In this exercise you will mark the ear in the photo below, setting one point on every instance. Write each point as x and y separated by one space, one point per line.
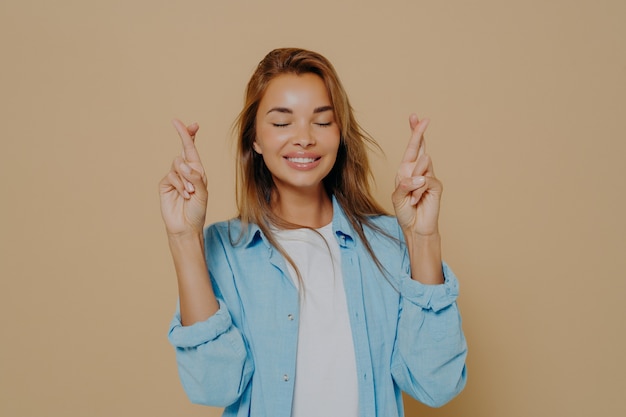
257 148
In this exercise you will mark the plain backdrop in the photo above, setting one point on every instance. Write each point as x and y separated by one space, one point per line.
527 101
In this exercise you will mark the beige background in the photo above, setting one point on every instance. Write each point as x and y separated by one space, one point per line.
528 105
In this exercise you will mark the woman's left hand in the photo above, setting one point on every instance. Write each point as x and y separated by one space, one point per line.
418 192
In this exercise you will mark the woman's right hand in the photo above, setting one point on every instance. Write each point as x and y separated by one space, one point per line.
183 190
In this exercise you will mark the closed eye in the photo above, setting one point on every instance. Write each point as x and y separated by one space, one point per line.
324 124
280 124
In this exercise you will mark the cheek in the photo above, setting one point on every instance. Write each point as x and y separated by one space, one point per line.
334 138
270 138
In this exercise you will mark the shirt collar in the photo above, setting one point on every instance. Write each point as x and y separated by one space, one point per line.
253 235
341 226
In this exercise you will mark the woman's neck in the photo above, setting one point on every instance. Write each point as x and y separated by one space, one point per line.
314 209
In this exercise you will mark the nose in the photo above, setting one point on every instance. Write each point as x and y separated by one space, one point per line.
304 137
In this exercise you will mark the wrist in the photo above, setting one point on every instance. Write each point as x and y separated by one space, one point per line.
425 256
185 239
421 238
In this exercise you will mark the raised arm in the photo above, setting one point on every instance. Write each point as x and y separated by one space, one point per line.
184 196
416 203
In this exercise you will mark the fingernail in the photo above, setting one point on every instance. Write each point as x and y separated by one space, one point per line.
418 180
189 187
186 194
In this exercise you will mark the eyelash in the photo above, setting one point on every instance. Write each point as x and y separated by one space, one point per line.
287 124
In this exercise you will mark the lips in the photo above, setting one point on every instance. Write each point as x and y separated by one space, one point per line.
303 162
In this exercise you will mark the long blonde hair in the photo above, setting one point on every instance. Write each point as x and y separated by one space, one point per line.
348 180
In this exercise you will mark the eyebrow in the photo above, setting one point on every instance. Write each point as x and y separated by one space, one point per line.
289 111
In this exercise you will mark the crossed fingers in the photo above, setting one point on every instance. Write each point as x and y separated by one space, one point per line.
415 162
187 167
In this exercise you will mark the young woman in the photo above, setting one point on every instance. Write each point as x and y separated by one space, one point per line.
313 301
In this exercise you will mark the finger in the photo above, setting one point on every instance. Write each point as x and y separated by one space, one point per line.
188 175
431 185
413 121
173 180
423 166
422 149
193 129
416 141
189 148
193 180
185 173
406 187
416 195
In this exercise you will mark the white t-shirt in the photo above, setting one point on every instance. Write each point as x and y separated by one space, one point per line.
326 378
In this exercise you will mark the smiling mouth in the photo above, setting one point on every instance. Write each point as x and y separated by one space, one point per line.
301 160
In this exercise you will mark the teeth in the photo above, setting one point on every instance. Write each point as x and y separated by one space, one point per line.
301 160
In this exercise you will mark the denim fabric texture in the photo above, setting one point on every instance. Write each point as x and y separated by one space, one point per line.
407 335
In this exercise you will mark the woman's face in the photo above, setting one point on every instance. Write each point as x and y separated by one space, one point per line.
296 131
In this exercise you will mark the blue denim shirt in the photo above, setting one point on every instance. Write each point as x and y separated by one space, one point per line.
407 335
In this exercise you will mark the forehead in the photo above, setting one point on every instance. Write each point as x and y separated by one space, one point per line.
292 90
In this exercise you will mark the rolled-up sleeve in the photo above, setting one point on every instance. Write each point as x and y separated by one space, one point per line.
213 362
431 297
429 356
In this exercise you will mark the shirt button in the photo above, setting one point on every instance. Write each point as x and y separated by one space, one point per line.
285 377
290 316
